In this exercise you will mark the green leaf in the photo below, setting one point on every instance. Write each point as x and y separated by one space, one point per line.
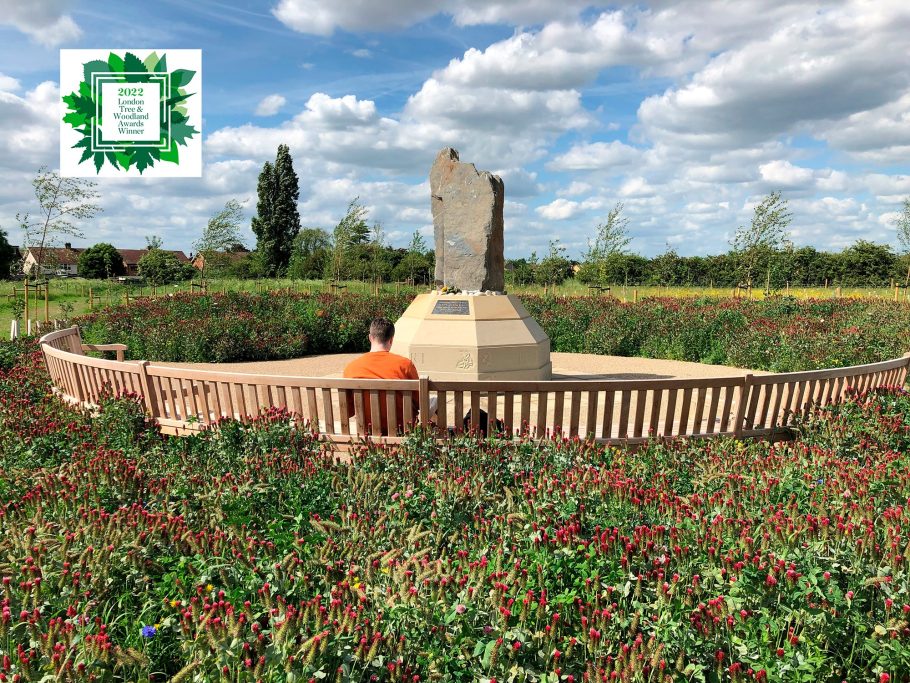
132 63
151 61
93 67
70 100
115 62
84 142
125 159
99 161
181 77
175 100
75 119
181 132
488 650
161 67
85 90
87 153
142 157
111 157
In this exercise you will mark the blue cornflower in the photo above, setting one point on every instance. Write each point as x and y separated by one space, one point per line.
149 631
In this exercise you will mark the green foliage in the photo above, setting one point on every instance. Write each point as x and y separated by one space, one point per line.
348 239
9 259
62 203
417 263
867 264
902 226
220 237
248 553
310 255
277 221
101 261
161 267
554 268
765 235
241 327
611 238
777 334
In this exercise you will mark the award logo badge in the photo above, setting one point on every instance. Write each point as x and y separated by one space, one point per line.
131 113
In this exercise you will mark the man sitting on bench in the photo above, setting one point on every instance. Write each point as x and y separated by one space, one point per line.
380 363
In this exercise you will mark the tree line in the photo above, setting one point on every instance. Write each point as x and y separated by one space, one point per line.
761 253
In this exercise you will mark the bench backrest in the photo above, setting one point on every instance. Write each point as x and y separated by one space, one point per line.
184 400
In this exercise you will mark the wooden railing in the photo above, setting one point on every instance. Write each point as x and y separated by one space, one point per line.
346 410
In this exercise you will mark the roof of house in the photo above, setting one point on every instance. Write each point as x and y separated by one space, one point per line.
132 256
57 255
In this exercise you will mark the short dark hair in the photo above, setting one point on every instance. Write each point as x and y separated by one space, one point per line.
382 330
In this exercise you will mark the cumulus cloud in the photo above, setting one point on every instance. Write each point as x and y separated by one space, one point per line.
270 105
826 67
596 156
45 21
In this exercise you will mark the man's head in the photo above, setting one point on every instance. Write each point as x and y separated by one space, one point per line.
381 334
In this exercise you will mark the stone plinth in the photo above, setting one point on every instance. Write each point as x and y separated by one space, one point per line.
473 337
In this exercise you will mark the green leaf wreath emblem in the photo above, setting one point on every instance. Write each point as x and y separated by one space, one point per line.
84 107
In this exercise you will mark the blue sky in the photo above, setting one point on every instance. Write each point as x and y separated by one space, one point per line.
686 111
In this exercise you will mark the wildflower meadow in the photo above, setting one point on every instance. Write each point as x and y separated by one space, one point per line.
249 553
778 334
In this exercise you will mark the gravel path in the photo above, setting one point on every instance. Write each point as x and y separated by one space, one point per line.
565 366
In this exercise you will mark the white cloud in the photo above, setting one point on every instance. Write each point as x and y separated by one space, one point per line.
825 66
559 209
45 21
784 175
8 83
31 123
596 156
270 105
362 53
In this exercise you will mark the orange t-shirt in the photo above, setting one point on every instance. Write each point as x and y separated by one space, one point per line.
381 365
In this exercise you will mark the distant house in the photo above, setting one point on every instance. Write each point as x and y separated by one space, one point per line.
131 258
53 260
65 260
220 258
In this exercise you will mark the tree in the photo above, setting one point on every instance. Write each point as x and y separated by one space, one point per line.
352 231
9 259
277 221
416 263
162 267
310 254
668 268
62 201
610 237
902 225
554 267
221 234
766 233
866 264
101 261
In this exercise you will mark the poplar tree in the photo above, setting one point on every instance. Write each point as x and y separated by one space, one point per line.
277 220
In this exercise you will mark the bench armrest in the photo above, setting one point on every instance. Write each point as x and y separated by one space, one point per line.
119 348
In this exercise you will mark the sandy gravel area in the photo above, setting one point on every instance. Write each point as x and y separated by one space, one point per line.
565 366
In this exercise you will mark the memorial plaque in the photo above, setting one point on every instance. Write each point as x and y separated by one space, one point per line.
459 307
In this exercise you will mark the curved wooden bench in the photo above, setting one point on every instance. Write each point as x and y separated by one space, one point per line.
185 400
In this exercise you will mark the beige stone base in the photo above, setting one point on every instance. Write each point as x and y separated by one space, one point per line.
473 337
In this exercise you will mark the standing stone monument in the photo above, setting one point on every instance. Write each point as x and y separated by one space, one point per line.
467 221
470 329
